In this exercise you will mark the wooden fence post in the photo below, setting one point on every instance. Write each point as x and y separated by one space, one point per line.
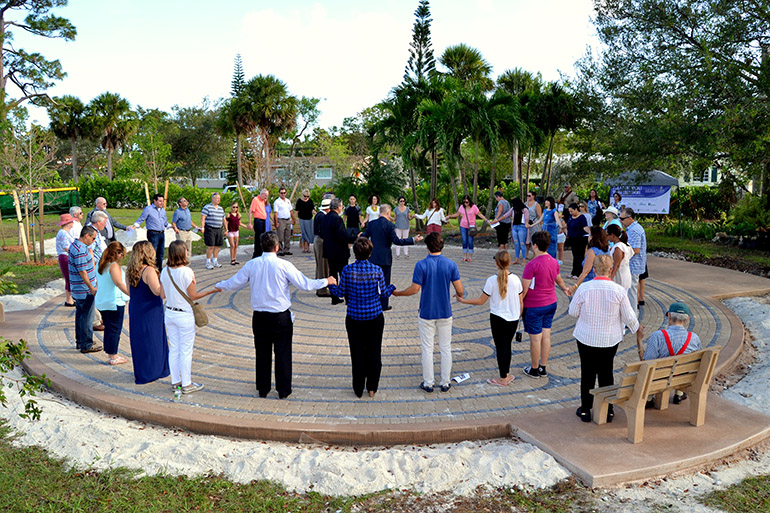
22 232
41 202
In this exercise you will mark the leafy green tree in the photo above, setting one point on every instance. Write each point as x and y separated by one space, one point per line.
196 143
150 154
68 121
29 72
239 78
270 113
467 65
680 85
113 121
555 109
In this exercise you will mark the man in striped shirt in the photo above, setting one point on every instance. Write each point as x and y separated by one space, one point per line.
212 218
82 270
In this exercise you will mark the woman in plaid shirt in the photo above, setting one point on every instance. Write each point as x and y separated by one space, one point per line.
363 286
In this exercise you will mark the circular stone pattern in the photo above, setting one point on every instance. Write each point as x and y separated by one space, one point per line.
322 392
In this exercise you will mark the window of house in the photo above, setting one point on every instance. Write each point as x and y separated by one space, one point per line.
323 173
223 174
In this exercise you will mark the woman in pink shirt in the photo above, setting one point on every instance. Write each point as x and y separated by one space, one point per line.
540 276
467 214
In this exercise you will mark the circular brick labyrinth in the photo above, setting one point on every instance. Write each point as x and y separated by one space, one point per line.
322 392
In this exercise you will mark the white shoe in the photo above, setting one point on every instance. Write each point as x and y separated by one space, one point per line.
217 264
209 266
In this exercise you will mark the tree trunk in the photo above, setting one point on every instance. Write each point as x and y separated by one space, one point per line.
452 180
414 196
239 165
529 162
463 177
74 160
433 171
475 171
109 163
515 161
548 164
492 182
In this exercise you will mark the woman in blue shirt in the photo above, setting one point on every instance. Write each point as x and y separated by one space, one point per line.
363 285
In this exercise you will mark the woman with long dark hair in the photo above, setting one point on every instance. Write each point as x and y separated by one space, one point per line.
597 245
576 222
467 214
434 217
551 221
111 296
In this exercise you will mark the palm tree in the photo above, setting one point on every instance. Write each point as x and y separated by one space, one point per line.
516 82
111 117
269 111
233 120
68 121
467 65
557 110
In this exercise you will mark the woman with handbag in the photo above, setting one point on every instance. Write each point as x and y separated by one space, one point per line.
467 214
178 282
434 217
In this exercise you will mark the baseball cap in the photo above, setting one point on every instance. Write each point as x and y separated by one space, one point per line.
679 308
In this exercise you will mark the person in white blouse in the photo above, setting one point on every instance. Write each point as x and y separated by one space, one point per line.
621 256
602 308
434 217
179 319
373 210
268 278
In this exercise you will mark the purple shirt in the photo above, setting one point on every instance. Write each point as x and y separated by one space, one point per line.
544 270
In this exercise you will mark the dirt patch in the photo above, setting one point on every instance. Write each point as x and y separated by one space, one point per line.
739 368
47 262
736 264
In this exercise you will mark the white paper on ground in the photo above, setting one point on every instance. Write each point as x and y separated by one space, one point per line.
461 377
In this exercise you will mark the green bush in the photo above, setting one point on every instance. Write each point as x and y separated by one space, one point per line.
124 193
751 215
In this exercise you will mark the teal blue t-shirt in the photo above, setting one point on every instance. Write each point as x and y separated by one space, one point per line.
434 274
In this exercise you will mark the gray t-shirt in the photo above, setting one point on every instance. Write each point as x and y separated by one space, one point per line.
402 218
506 208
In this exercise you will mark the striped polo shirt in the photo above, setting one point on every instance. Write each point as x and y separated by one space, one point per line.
80 259
215 216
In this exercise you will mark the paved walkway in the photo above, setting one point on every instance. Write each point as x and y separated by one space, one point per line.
323 405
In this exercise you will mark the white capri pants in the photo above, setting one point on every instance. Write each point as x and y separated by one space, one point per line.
402 234
428 328
180 329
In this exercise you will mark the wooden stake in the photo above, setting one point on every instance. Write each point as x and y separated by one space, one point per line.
147 193
40 215
2 230
165 195
238 188
22 233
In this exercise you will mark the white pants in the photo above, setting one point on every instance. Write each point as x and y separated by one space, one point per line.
428 328
402 234
632 292
180 329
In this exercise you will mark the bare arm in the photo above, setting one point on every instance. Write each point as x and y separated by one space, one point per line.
617 258
482 299
87 281
563 286
117 278
409 291
152 281
193 294
587 266
459 288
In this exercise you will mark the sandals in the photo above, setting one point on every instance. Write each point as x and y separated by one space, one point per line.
69 305
499 382
234 262
118 360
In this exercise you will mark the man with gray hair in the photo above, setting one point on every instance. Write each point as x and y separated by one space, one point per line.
108 232
212 220
674 340
77 214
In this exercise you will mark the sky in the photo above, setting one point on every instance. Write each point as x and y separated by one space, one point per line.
348 53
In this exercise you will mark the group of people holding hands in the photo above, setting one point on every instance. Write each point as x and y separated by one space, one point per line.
606 272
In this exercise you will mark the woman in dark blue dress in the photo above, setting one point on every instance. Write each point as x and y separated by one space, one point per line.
149 346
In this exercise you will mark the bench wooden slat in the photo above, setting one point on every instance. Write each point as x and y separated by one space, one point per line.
692 372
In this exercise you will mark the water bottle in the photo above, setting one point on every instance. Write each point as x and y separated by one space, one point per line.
177 394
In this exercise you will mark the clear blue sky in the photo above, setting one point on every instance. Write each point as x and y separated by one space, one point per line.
348 53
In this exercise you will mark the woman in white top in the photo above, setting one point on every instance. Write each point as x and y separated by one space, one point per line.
373 210
64 240
179 318
621 256
111 295
434 217
505 307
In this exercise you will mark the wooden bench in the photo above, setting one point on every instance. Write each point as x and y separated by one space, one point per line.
690 372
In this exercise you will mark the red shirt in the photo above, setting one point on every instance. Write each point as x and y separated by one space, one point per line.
544 270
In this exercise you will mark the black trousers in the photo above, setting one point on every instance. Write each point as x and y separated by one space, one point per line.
594 362
502 333
578 246
259 229
365 340
272 334
335 268
386 271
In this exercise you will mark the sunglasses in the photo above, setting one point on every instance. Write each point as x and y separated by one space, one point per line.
623 218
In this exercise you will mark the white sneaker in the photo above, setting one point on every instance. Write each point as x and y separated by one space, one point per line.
217 264
209 266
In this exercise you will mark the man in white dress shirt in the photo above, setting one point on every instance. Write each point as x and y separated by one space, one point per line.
269 278
283 219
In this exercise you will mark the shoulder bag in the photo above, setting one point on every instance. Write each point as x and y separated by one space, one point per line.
201 318
472 231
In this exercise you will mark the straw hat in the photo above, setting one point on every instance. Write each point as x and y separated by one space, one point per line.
66 219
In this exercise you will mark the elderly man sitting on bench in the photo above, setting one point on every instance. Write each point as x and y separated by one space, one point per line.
674 340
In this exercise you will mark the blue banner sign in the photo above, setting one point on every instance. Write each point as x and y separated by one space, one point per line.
645 199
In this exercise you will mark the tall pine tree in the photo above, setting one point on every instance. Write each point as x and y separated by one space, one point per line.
239 79
421 64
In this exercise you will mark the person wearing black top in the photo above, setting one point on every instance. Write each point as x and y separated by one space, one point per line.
305 209
352 215
321 264
576 224
336 241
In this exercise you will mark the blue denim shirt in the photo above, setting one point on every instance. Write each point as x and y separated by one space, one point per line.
182 218
154 218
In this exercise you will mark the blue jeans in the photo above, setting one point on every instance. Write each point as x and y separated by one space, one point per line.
519 236
538 318
158 241
113 325
467 240
84 322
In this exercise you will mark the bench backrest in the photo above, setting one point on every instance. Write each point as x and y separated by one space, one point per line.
648 377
